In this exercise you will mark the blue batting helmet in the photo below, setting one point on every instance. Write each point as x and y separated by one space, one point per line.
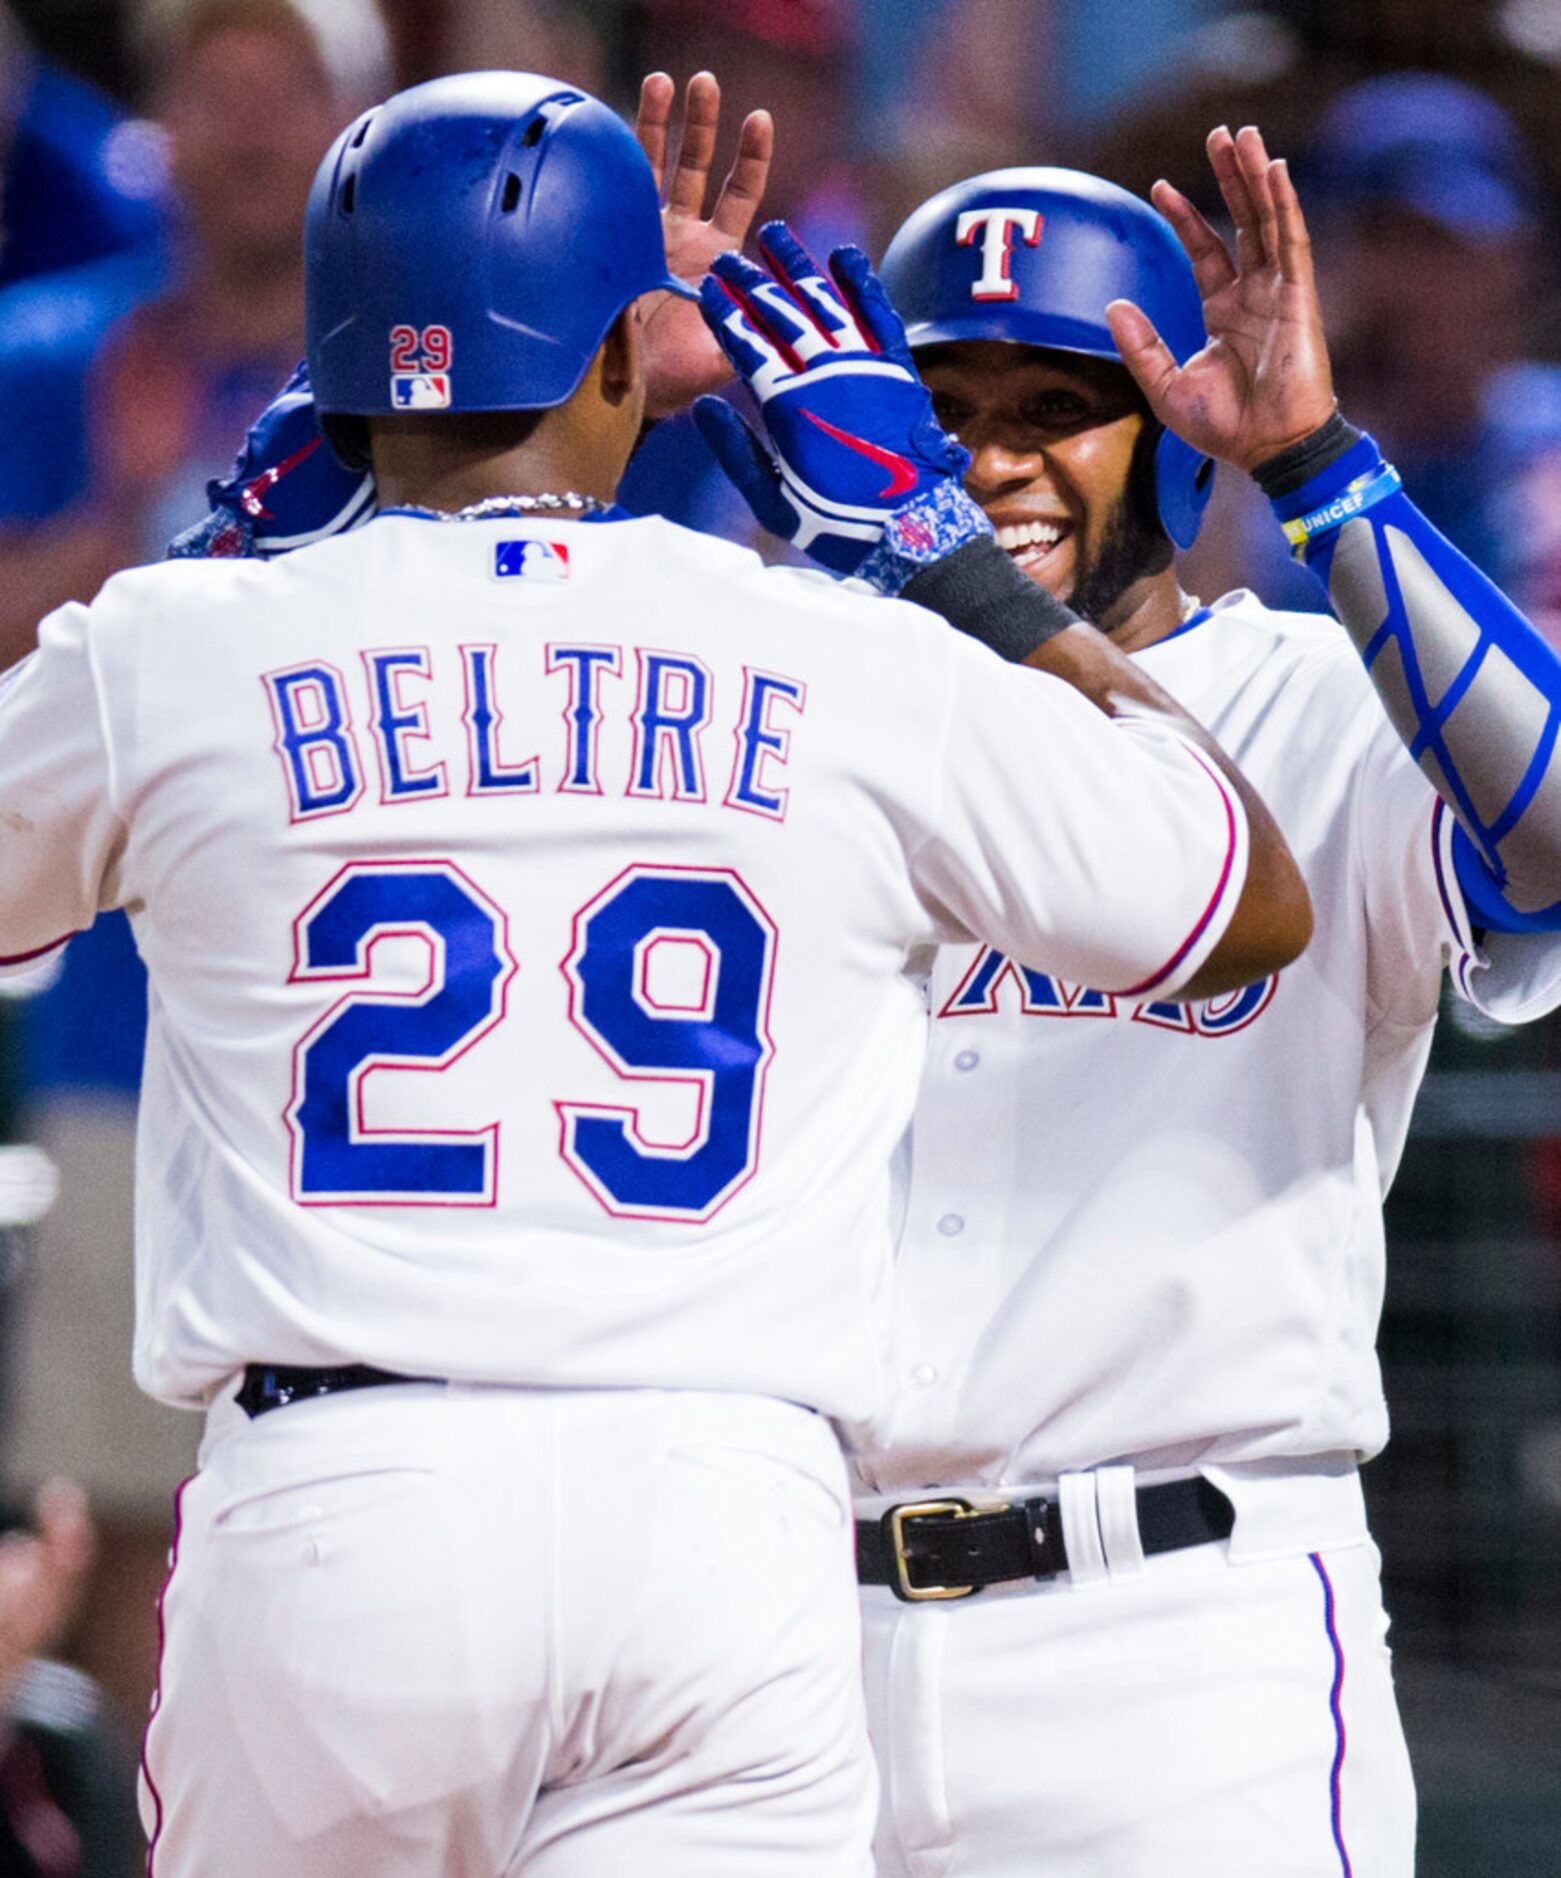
1034 256
469 243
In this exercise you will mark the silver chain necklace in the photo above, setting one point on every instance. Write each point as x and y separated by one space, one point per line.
545 504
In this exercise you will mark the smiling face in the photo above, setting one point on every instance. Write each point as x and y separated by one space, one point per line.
1056 463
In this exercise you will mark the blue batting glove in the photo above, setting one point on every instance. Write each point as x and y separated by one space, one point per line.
857 472
285 490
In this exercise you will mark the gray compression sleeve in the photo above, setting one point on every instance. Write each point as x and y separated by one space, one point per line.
1469 685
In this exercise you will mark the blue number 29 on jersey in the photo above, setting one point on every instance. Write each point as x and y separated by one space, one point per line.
712 1037
707 1033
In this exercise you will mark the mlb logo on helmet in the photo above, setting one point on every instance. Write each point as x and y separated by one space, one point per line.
420 391
420 368
530 560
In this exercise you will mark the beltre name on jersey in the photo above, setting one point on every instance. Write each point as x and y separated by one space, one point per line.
501 868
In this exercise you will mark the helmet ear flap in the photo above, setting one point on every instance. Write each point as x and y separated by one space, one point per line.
1184 481
348 438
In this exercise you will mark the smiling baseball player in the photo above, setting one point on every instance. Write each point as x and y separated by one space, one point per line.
1122 1612
530 897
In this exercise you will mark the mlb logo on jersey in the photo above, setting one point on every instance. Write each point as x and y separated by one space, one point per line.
420 391
530 560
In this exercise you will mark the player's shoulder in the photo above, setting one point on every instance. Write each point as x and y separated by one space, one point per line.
723 559
211 589
163 587
851 602
151 602
1241 614
1290 648
811 599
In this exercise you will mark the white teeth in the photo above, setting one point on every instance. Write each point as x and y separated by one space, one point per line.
1028 535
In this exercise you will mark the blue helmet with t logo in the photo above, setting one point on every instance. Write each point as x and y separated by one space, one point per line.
1034 256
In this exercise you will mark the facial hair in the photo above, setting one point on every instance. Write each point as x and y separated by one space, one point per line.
1131 545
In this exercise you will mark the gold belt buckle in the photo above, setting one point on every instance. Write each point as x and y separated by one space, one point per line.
920 1509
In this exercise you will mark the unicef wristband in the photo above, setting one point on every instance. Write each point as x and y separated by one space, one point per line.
1324 481
1358 495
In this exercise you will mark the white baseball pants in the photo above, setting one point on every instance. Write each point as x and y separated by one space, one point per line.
1194 1718
453 1632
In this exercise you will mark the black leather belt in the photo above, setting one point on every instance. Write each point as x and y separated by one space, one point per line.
947 1548
268 1386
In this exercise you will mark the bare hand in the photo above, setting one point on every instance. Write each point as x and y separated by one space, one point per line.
682 360
42 1573
1263 382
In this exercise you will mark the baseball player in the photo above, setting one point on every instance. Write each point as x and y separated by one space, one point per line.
1122 1610
530 897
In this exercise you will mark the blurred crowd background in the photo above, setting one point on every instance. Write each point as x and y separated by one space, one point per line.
154 159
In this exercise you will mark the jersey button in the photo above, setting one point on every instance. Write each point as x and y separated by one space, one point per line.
921 1375
967 1059
951 1225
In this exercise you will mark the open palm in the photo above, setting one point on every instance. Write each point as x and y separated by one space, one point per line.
1263 382
682 360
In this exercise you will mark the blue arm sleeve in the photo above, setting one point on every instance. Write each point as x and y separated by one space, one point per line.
1469 685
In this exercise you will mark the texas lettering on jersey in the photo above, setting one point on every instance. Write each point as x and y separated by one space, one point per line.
980 993
326 725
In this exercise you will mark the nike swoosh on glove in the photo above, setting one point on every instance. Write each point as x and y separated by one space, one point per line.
857 471
285 490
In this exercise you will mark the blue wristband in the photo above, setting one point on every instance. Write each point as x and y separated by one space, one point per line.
1363 493
928 529
1349 486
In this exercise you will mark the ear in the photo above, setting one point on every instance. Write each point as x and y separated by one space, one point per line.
623 357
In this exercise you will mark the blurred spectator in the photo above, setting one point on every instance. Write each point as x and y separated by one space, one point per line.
566 38
66 1803
82 183
948 88
248 102
1523 410
1279 63
249 106
248 99
1426 212
83 237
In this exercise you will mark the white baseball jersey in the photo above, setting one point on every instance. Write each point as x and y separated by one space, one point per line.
528 911
1138 1230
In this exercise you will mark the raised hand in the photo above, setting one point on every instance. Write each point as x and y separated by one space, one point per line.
681 357
852 439
1263 382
